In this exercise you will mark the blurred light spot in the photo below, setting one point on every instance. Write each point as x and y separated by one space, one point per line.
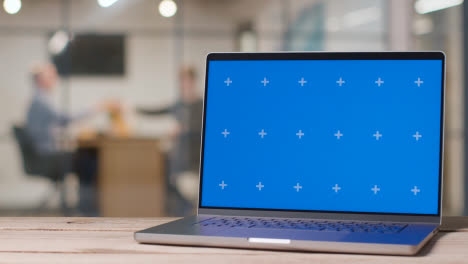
427 6
423 25
167 8
58 42
361 17
333 24
12 6
106 3
248 41
353 19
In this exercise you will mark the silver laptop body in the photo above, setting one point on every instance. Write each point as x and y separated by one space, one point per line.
319 223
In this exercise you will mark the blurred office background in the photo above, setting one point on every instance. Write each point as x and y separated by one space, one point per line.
141 64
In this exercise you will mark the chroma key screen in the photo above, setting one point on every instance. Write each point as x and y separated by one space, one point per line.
323 135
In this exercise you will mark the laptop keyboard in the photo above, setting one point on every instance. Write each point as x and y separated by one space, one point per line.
303 224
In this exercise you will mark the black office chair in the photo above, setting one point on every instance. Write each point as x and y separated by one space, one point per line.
48 166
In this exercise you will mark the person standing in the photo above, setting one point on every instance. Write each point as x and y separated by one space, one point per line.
186 135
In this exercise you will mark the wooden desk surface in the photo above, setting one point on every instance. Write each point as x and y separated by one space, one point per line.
110 240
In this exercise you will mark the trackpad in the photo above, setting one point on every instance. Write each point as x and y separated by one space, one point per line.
293 234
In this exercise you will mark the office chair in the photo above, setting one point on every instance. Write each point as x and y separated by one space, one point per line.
48 166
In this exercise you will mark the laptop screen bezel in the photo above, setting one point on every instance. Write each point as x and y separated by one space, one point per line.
432 55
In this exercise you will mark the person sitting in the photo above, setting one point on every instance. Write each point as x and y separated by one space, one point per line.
45 125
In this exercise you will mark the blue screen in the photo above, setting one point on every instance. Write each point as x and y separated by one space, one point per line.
323 135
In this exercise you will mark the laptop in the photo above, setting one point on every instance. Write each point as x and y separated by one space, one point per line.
330 152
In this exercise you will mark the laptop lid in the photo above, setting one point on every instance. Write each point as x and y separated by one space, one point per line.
347 135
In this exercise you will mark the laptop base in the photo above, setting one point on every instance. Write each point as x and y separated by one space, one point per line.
186 232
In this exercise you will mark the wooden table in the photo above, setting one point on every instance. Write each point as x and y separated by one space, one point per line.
110 240
130 173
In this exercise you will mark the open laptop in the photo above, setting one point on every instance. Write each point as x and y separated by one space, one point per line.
333 152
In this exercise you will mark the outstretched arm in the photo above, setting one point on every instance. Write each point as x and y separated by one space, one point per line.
154 111
63 119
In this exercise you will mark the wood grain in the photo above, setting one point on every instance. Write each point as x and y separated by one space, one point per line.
110 240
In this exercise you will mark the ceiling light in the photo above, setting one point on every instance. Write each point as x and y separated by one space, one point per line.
106 3
12 6
167 8
58 42
427 6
